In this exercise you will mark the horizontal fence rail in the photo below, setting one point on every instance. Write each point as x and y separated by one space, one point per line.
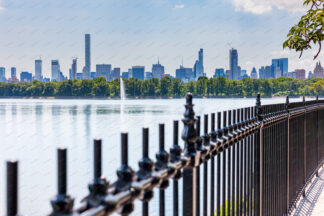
253 161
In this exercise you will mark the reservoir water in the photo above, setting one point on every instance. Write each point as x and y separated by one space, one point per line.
32 129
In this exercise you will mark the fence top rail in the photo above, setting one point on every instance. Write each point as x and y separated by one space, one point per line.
105 198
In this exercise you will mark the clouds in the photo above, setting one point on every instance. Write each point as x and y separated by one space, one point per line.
179 6
265 6
1 8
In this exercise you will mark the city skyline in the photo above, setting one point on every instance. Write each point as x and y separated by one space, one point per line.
126 33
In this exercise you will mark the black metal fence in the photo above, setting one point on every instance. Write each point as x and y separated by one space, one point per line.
261 159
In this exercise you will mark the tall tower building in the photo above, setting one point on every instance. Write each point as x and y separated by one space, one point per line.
199 65
38 70
87 69
74 69
233 62
55 66
13 73
319 70
157 70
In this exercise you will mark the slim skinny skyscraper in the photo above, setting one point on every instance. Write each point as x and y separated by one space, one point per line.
38 70
87 69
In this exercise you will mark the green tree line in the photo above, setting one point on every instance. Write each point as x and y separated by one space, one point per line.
166 87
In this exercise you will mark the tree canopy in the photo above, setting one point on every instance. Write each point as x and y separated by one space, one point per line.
166 87
310 29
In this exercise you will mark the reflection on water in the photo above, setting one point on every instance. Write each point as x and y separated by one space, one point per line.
31 130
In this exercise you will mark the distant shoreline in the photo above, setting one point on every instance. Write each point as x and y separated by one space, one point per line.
134 98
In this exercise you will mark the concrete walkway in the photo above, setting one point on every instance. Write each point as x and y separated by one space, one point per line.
313 203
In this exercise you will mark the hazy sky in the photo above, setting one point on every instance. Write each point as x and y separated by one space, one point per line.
136 32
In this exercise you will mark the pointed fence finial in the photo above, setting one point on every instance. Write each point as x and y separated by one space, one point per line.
287 103
258 107
189 134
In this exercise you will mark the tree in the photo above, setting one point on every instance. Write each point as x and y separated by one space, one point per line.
101 87
309 30
166 85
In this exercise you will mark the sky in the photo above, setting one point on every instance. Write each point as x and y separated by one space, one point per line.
127 32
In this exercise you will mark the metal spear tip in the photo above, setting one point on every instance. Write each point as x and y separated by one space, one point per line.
258 100
287 99
189 98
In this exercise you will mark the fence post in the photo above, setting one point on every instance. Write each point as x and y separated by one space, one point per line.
189 136
259 159
288 147
62 203
12 188
305 138
317 134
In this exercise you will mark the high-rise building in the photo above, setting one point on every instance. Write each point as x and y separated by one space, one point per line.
233 62
74 69
38 70
138 72
262 73
13 72
267 72
279 67
115 73
26 76
185 74
319 71
310 74
125 75
199 65
300 73
219 72
87 67
148 75
292 74
55 70
157 70
103 70
254 74
3 74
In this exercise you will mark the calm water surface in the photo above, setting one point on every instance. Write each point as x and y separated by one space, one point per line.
31 130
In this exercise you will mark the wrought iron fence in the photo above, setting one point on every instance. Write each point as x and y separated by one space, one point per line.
261 159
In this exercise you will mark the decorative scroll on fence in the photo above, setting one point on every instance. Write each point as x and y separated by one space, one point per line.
261 160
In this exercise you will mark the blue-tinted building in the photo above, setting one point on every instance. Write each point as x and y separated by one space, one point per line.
2 74
125 75
26 77
219 72
233 62
279 67
199 65
185 74
138 72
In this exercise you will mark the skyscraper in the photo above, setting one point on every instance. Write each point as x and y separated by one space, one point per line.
87 67
279 67
219 72
38 70
254 74
319 70
233 62
2 74
55 70
157 70
74 69
138 72
103 70
26 76
300 73
115 73
13 73
199 65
